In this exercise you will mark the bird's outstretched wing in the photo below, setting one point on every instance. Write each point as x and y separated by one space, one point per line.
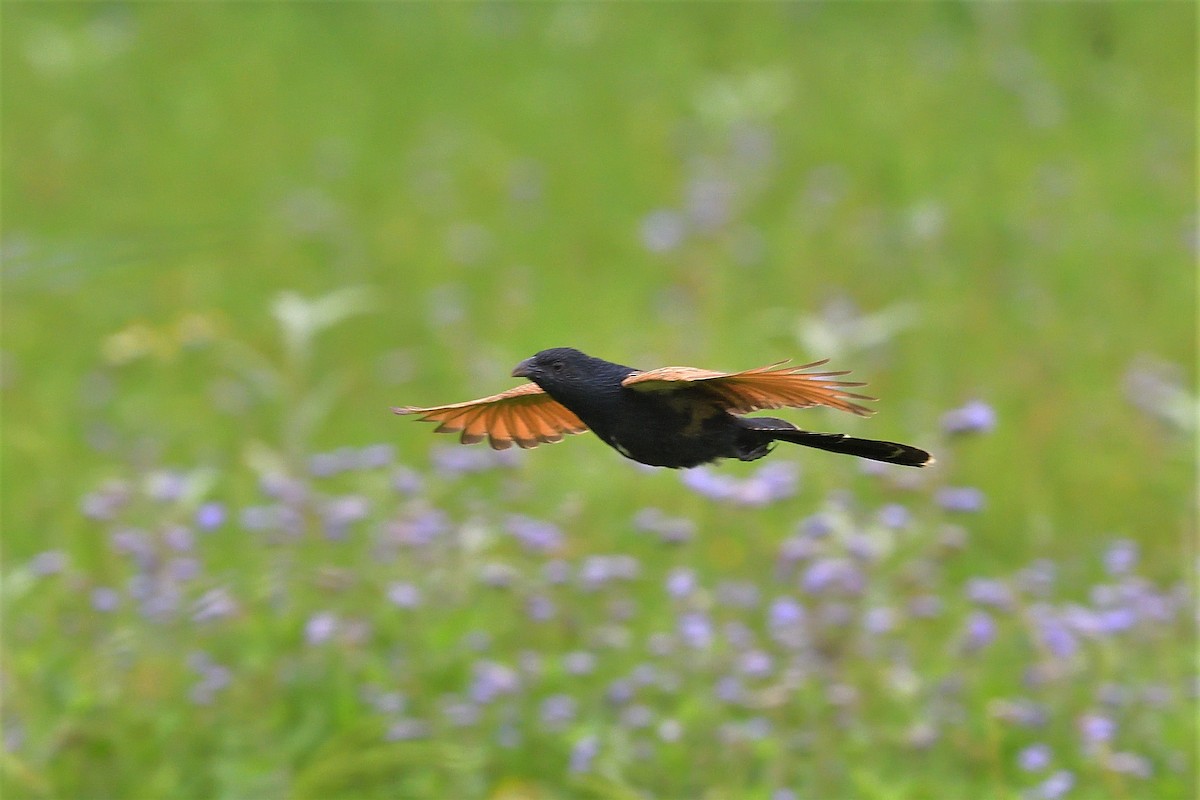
524 415
772 386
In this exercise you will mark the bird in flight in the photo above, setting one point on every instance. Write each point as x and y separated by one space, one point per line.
669 417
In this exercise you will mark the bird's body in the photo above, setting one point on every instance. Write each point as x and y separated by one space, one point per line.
670 417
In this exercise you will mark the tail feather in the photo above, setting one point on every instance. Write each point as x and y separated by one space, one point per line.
888 452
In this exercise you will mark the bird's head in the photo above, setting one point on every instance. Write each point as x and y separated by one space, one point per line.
571 377
556 365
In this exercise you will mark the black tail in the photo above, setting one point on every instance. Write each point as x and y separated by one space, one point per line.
889 452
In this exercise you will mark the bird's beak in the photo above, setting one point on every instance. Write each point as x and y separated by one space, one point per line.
524 369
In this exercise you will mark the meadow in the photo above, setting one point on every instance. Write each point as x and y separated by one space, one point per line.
235 235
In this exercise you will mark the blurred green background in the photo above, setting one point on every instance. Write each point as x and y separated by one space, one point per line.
957 201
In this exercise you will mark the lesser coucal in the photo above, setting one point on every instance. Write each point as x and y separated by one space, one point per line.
668 417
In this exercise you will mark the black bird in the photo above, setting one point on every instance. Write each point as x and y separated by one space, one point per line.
668 417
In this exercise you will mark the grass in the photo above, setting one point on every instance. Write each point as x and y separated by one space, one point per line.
1012 187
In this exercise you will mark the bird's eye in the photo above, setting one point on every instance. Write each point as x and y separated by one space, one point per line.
557 366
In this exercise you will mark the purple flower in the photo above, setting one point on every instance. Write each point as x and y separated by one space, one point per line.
325 465
1116 620
419 529
754 663
384 702
533 534
159 602
1096 728
729 689
452 461
407 481
403 730
704 481
48 562
540 608
210 516
624 567
829 574
404 595
663 230
817 526
672 530
644 675
709 202
1038 578
374 456
458 712
216 603
670 730
498 575
594 572
183 569
284 488
774 481
925 606
341 512
1055 786
135 543
894 516
636 716
797 548
1034 758
681 582
583 752
178 538
1053 633
105 599
879 619
105 502
965 499
862 547
1129 764
557 711
785 619
492 679
785 612
258 518
974 417
579 662
1022 711
619 692
695 630
213 677
990 592
556 571
320 627
165 486
1121 557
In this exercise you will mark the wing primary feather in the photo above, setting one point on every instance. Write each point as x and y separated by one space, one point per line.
519 427
532 432
498 429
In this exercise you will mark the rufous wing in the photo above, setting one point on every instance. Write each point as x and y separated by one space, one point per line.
772 386
524 415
